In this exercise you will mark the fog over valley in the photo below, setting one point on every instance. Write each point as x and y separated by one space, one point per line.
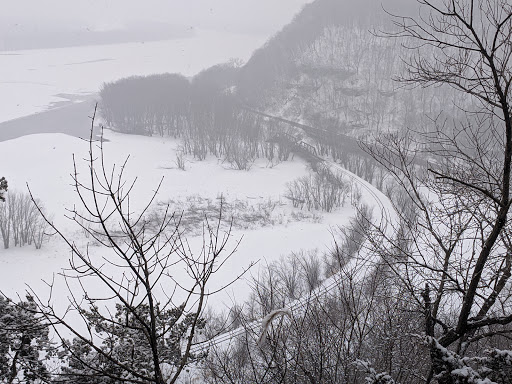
242 191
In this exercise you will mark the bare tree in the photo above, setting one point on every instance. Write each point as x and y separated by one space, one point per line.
325 190
21 222
452 245
320 337
140 326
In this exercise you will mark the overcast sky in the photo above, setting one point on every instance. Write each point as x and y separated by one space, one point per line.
246 16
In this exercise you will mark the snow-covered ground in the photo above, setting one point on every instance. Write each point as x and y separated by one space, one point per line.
34 81
45 162
31 81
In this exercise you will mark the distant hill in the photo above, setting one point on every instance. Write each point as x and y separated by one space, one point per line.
329 68
15 37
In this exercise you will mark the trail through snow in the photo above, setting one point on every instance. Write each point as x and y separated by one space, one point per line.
361 266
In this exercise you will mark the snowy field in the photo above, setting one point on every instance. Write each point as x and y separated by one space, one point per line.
34 80
45 163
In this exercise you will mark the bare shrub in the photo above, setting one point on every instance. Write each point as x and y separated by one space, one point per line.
180 159
239 156
21 222
273 161
322 334
324 190
282 282
348 240
40 231
241 214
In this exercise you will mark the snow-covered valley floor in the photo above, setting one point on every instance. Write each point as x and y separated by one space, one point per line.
44 161
39 80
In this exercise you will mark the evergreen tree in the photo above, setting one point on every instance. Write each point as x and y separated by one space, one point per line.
24 343
3 188
125 340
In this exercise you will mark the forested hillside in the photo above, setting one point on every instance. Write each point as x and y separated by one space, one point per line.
334 67
325 69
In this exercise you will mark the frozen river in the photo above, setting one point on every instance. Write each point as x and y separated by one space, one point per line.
33 81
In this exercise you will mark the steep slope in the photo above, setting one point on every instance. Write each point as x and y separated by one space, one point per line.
332 68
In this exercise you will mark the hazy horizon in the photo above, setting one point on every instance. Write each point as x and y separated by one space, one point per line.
28 24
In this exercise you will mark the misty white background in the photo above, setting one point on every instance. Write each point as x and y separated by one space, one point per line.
263 17
33 80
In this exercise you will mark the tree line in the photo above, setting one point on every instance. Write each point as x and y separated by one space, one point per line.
203 112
